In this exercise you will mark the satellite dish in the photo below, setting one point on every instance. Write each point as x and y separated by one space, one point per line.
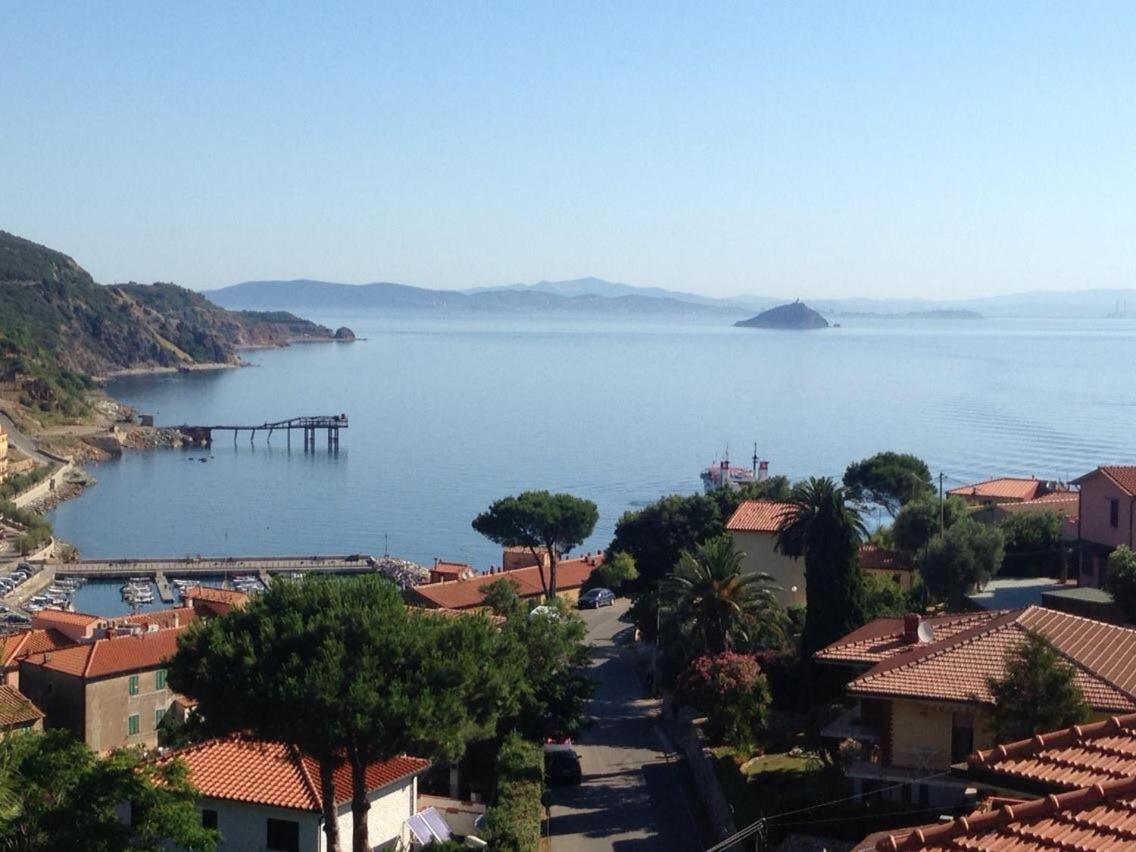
926 633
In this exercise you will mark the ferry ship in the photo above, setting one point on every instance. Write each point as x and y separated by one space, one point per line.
721 475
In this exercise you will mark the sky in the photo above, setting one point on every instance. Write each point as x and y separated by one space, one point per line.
816 149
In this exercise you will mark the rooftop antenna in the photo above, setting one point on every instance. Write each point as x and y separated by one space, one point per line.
755 459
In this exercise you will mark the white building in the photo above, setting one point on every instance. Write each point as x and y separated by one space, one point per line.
266 796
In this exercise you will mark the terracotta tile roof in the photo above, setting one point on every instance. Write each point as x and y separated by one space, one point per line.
1066 759
16 710
162 618
215 595
1003 487
1101 818
1066 503
19 645
1122 475
875 558
463 594
763 516
882 638
277 775
114 656
956 669
444 567
60 616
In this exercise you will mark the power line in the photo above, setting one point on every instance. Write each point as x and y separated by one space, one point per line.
759 826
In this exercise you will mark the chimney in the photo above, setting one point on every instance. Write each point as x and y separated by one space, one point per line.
911 623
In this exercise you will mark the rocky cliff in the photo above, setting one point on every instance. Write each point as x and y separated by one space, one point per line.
58 328
794 316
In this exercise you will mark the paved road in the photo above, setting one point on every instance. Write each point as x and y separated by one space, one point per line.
21 441
632 799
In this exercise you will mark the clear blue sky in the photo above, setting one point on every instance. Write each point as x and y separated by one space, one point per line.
827 149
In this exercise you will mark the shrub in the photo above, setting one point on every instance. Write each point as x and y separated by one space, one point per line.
613 573
513 823
733 693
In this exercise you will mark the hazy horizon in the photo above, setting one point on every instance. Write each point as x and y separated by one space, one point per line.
880 150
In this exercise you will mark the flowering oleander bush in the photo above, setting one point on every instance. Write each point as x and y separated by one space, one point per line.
733 693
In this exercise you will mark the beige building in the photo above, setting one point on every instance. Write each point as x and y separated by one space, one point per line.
922 701
108 692
754 529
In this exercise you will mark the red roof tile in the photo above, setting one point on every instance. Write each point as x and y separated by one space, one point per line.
1003 487
1101 818
16 710
762 516
50 616
114 656
163 618
956 669
1122 475
16 646
1066 759
277 775
875 558
882 638
463 594
1065 503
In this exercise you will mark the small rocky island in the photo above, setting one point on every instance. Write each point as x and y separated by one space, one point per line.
796 316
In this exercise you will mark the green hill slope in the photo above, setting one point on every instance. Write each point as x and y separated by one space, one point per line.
58 328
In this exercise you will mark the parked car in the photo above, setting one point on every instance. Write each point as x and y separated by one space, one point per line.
561 765
595 598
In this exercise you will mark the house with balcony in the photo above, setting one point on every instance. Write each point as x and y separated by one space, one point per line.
265 795
754 527
919 700
1106 513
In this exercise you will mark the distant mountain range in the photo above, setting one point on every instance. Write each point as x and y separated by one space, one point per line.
595 296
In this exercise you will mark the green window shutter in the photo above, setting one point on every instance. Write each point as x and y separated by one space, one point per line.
160 679
158 715
133 684
133 724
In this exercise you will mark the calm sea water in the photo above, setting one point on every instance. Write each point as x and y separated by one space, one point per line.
447 415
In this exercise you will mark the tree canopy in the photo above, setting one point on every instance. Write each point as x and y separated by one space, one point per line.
1037 692
547 523
965 558
61 795
1120 580
339 668
825 529
1034 547
715 606
917 522
888 479
656 535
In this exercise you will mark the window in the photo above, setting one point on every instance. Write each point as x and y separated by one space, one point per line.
133 724
1114 513
208 818
962 736
158 714
133 684
160 679
282 835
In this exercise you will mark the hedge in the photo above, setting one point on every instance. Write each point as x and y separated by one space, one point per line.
514 821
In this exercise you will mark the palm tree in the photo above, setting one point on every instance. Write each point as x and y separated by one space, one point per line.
826 529
715 605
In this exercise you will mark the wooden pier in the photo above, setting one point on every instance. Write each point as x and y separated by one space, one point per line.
202 436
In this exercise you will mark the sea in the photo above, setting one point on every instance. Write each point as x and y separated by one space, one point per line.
448 414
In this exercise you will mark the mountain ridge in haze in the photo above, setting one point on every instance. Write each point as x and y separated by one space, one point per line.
591 295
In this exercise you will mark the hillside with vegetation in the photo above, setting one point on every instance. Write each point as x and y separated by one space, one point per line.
59 329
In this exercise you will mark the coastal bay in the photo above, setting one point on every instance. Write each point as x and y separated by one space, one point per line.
448 414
